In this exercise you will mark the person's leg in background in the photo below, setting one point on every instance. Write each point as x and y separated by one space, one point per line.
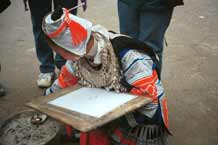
147 26
153 26
38 9
4 4
59 60
128 20
2 89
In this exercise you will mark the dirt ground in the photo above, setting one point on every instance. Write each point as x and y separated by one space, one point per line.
190 70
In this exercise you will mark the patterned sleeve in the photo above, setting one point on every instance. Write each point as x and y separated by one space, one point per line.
139 72
138 69
65 79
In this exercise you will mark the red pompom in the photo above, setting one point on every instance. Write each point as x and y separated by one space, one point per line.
78 32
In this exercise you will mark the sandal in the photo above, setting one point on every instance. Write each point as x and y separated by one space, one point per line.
38 118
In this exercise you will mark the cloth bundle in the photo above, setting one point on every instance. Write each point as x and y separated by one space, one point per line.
4 4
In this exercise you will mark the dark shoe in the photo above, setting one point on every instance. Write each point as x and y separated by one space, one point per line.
2 91
74 137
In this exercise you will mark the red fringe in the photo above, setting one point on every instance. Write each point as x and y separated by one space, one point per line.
78 32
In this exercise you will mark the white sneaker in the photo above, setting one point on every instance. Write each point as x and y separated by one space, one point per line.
45 79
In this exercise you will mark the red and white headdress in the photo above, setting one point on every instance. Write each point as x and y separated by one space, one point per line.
69 32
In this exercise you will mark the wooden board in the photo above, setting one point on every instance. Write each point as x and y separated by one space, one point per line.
78 120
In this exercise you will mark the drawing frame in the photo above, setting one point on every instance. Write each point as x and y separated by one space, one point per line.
79 121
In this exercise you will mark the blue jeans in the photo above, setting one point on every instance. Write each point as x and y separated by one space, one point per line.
147 26
38 9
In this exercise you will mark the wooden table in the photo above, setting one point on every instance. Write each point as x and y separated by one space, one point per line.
79 121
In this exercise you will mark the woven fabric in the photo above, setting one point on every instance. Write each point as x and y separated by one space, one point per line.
140 135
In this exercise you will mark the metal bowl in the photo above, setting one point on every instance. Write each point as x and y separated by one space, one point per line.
18 130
